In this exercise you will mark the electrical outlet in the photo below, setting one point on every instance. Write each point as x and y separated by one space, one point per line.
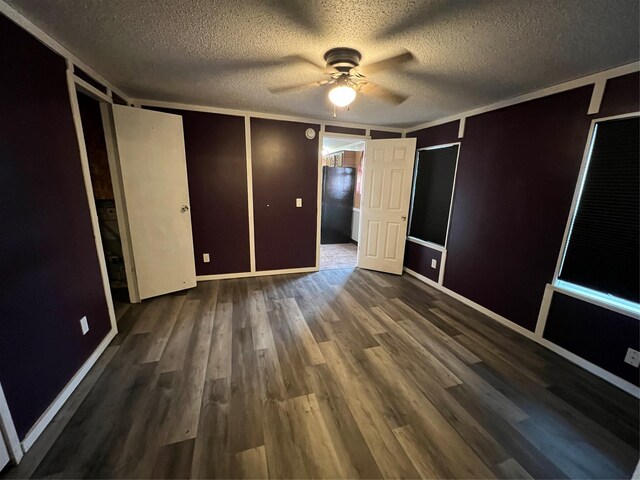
298 202
632 357
434 263
84 325
206 258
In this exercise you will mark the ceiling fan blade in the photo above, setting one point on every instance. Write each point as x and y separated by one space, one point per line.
392 62
382 93
303 59
290 88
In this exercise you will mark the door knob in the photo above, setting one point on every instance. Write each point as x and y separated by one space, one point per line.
404 218
185 208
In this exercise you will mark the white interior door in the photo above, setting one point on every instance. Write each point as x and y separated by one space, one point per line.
154 184
386 178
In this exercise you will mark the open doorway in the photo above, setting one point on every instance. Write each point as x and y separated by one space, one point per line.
341 191
104 196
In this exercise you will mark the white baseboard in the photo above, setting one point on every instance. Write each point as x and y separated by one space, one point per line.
536 337
226 276
66 392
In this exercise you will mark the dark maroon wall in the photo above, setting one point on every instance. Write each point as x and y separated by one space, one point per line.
381 134
418 258
49 265
516 175
621 95
217 172
594 333
285 167
517 172
347 130
438 135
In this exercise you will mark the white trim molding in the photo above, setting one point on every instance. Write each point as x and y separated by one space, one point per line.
583 294
561 87
320 136
463 123
261 273
541 322
252 238
596 96
572 357
269 116
8 431
474 305
424 243
86 174
443 263
66 392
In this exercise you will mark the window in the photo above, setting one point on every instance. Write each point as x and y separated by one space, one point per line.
432 192
601 258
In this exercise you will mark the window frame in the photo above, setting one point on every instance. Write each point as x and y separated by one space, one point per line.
419 241
602 299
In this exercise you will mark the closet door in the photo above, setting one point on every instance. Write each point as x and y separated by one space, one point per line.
154 182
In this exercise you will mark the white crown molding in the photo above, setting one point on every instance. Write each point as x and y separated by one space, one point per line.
595 78
140 102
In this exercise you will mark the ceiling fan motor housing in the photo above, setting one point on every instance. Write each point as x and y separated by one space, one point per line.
343 59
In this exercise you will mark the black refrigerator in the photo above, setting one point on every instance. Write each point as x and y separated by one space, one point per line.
338 185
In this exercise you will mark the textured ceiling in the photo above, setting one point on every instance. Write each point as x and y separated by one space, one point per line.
226 53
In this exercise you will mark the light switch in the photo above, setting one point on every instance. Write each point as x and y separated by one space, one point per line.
205 258
298 202
84 325
434 263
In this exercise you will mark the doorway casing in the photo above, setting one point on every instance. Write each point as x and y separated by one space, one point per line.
322 136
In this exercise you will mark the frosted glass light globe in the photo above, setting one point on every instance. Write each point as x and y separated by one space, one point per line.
342 95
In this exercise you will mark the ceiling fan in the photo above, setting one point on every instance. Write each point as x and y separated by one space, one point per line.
349 79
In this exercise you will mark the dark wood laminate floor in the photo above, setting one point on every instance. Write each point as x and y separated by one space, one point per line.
341 373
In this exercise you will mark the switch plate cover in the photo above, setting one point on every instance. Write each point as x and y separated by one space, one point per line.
84 325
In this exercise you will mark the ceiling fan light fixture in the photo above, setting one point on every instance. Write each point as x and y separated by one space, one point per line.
342 95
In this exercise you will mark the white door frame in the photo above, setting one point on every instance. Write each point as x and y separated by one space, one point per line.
76 85
8 431
321 138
